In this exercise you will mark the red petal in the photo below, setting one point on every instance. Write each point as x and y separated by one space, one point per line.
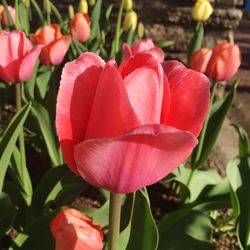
189 100
139 158
74 101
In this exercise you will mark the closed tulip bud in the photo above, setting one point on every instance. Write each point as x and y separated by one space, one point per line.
128 4
202 10
140 30
3 15
83 7
26 3
91 3
224 62
200 59
71 11
47 6
130 21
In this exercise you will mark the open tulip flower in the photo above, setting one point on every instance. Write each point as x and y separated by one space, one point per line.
123 128
3 15
224 62
199 60
80 27
18 57
55 44
73 230
143 46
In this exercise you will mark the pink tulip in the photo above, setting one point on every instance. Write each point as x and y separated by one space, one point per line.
55 44
73 230
17 58
80 27
3 15
125 128
143 46
199 60
224 62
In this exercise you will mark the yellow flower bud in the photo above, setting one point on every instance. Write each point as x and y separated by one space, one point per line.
130 21
83 7
202 10
128 4
71 11
26 3
47 6
140 30
91 2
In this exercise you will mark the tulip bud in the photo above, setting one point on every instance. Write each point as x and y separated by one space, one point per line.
200 59
71 11
130 21
140 30
47 6
26 3
128 5
202 10
83 7
91 3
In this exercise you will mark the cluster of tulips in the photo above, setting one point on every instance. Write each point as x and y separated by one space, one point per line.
122 123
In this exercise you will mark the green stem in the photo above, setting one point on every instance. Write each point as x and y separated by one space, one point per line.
118 27
21 136
48 18
114 221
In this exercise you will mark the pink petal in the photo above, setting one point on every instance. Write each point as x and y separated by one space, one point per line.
58 49
126 51
189 97
112 114
74 101
139 158
5 76
28 63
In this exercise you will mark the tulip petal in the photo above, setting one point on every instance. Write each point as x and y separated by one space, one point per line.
111 114
74 101
58 49
28 63
126 51
139 158
189 97
5 76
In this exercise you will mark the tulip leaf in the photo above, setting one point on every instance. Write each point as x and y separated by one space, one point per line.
238 173
38 11
9 138
95 18
56 12
185 229
217 115
42 83
42 116
197 39
37 235
7 213
143 233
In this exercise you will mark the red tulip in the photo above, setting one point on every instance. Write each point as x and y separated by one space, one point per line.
224 62
125 128
80 27
73 230
143 46
199 60
17 58
55 44
3 15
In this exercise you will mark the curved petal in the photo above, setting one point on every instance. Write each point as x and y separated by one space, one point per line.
190 95
28 63
5 76
126 51
139 158
58 49
74 101
111 114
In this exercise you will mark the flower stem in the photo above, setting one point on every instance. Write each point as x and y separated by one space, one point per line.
114 221
21 136
118 27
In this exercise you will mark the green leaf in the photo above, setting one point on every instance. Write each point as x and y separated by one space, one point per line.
42 83
42 116
244 149
185 229
9 139
37 235
239 176
143 233
7 213
95 19
197 40
38 11
164 44
214 125
56 12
